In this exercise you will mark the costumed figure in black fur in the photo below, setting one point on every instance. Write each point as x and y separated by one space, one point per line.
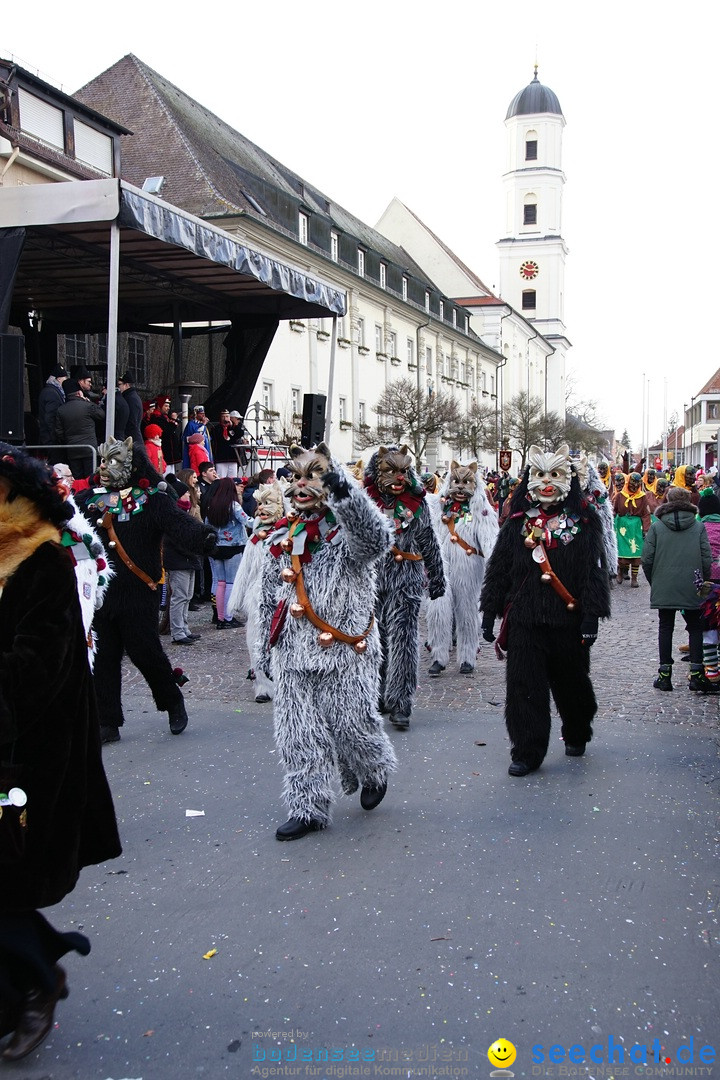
317 596
132 510
547 578
413 563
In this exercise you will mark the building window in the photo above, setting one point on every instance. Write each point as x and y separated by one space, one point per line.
93 147
428 360
361 263
404 288
467 324
454 317
77 349
41 119
410 351
102 349
713 410
362 417
492 384
360 332
427 300
268 397
530 214
379 339
531 149
383 275
463 371
334 246
483 381
441 363
528 300
392 343
137 358
303 223
295 400
442 311
342 409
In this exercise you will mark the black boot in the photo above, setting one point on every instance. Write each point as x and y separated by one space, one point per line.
400 721
435 669
664 678
370 797
178 717
466 669
295 828
109 733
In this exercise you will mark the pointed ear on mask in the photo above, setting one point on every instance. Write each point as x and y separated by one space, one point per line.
473 466
324 449
296 451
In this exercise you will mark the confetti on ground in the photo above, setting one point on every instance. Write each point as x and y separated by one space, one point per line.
194 813
209 955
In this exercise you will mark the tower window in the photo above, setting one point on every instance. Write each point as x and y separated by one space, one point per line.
531 149
530 214
528 300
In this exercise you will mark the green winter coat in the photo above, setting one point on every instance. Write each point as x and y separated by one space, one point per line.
675 547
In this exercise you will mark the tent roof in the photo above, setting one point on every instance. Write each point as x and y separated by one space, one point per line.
173 266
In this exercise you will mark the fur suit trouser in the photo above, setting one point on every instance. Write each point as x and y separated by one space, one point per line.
541 661
459 603
397 618
264 688
135 633
323 726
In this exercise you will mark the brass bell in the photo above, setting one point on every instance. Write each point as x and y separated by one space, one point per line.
111 543
361 646
469 551
325 639
288 575
286 544
546 578
454 539
571 607
263 534
398 558
445 519
529 542
297 611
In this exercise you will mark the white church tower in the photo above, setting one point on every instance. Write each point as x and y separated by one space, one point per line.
532 252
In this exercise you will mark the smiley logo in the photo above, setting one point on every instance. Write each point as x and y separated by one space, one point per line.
501 1054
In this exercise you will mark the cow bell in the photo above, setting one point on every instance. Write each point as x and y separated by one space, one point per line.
398 558
361 646
445 519
325 640
288 575
454 539
263 534
286 544
546 578
297 611
571 607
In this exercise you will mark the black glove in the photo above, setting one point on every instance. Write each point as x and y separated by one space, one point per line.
436 591
487 627
589 630
209 541
336 484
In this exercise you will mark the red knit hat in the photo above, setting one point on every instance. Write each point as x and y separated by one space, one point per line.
153 431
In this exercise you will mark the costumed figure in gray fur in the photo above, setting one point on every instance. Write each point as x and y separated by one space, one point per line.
594 489
132 511
246 590
467 527
318 593
413 562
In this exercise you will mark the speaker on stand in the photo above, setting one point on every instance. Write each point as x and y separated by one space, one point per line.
313 419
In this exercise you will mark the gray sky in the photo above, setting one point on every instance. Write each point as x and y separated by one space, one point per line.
392 97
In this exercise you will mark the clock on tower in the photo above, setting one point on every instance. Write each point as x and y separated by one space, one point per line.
529 270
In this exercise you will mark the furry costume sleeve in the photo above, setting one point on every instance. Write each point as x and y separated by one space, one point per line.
429 547
366 531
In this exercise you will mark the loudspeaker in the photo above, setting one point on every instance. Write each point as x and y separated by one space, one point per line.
12 363
313 421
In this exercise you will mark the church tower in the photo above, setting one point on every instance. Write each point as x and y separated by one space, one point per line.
532 252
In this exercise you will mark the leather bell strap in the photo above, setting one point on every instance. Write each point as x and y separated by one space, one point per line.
541 558
463 543
409 555
107 524
320 624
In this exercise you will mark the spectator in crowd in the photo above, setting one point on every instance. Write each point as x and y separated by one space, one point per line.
149 407
223 441
84 379
48 722
189 478
239 436
171 434
677 546
226 515
135 407
197 451
75 428
122 413
197 424
180 568
52 396
153 447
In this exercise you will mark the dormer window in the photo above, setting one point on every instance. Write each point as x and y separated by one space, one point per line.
361 262
383 275
303 225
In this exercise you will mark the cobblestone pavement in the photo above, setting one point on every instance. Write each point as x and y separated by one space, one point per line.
624 664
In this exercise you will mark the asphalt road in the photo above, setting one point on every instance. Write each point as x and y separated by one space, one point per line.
575 908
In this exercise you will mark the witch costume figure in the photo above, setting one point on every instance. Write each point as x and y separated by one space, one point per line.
322 643
56 812
413 564
548 580
467 527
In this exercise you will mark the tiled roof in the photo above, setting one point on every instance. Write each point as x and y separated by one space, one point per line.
712 386
209 168
471 275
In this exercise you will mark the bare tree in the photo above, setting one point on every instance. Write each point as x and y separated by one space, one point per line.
475 430
408 414
585 409
525 423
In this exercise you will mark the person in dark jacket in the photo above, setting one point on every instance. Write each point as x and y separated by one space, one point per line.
180 568
676 546
122 414
51 397
48 725
171 434
134 403
75 427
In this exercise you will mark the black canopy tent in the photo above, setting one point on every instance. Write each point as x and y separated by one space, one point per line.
102 255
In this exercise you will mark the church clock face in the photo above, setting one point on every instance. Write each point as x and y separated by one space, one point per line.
529 270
